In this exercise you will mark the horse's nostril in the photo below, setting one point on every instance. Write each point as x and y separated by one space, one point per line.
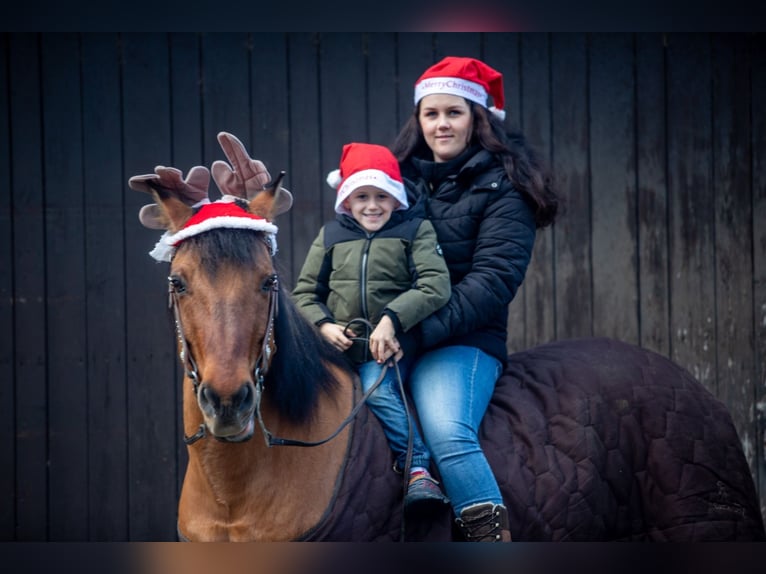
243 399
208 398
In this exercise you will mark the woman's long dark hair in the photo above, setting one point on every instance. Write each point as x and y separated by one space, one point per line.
522 163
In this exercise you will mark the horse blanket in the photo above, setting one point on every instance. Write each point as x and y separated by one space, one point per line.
590 439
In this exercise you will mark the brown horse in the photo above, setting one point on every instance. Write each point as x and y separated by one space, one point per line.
590 440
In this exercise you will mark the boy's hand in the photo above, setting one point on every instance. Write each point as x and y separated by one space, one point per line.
334 335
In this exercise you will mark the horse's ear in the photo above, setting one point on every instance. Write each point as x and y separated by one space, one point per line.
174 196
273 200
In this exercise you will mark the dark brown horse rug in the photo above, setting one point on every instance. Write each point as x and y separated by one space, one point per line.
590 439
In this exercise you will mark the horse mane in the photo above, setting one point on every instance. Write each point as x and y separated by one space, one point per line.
301 366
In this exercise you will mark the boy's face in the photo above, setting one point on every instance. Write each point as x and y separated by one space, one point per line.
371 207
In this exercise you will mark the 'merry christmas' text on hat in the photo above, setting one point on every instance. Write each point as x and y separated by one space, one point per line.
367 164
467 77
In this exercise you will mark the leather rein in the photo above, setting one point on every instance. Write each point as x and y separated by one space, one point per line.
261 367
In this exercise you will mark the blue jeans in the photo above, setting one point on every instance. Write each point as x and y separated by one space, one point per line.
451 388
387 405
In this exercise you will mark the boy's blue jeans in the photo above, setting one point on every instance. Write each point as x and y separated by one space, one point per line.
451 388
387 405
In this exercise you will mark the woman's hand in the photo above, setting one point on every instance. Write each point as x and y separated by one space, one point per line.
383 342
335 336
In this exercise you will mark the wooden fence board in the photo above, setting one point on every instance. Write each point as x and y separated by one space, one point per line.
149 336
65 288
342 89
7 306
613 186
501 51
382 83
104 187
270 91
31 393
691 201
305 150
535 122
574 297
415 53
652 193
758 215
735 374
225 92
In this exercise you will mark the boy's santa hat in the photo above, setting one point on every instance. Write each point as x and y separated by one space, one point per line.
467 77
367 164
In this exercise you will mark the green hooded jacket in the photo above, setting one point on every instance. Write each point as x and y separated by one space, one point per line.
350 274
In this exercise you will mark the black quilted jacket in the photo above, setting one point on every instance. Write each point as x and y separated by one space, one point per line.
486 230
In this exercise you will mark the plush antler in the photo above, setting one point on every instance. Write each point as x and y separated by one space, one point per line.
166 183
246 178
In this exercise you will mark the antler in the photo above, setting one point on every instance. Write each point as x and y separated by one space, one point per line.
249 177
166 182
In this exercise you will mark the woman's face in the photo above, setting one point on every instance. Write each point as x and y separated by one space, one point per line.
447 124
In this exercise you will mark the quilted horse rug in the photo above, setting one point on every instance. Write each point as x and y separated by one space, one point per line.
590 439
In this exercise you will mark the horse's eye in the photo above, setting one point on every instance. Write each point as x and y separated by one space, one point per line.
177 284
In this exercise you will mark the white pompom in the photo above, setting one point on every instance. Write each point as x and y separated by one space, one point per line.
334 178
500 114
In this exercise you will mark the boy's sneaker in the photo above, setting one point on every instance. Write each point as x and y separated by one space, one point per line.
423 488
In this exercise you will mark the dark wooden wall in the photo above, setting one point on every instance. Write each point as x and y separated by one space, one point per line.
658 145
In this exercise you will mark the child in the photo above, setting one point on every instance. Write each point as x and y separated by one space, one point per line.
376 263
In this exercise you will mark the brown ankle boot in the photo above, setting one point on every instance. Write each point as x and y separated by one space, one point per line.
485 522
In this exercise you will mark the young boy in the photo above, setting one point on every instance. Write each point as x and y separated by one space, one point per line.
376 263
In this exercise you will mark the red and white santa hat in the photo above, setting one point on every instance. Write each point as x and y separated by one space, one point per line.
467 77
225 212
367 164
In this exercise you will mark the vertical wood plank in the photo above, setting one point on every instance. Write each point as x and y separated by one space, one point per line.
187 151
225 92
305 150
29 333
460 44
758 102
382 84
104 187
535 121
501 51
269 89
733 237
150 340
65 288
651 166
613 187
342 87
415 53
691 195
570 142
7 363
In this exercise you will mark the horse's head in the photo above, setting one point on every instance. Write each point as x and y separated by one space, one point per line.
222 282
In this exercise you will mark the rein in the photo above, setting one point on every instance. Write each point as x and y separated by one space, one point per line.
261 368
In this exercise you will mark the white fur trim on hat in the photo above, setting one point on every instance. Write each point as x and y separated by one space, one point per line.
374 177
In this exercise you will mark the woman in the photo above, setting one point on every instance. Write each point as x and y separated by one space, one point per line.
485 194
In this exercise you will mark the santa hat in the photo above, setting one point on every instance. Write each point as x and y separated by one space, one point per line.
225 212
367 164
467 77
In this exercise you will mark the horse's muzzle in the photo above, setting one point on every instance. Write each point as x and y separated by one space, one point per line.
231 418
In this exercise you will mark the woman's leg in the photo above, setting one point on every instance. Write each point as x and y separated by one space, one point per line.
451 388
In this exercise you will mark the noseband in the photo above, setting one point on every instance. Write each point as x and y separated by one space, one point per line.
262 363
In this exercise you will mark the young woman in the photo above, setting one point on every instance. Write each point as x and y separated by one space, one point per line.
485 193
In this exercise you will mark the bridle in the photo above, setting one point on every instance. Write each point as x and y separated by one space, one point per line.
261 366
